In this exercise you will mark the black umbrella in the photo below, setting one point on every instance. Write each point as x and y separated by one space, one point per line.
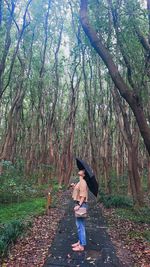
89 176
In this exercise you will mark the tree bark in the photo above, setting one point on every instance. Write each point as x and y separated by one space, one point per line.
132 147
13 119
66 160
90 112
118 157
148 175
105 157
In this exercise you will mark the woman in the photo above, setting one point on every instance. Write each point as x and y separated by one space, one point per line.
80 196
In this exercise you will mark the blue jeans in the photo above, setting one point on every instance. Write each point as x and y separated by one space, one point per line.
80 223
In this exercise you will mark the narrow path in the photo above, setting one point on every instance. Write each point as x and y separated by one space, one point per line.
99 250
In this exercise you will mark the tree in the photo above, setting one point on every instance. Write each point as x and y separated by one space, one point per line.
131 97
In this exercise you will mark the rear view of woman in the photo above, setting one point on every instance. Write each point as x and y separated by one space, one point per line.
80 196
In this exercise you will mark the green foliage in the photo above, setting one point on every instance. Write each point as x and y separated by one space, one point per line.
22 210
135 234
15 187
9 234
146 235
55 186
42 89
123 182
144 179
115 200
11 186
139 215
125 208
140 234
54 201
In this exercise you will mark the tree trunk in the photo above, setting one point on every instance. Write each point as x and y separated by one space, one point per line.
119 158
7 42
106 162
13 120
66 161
148 184
131 142
25 24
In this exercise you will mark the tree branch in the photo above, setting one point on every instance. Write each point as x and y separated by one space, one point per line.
131 98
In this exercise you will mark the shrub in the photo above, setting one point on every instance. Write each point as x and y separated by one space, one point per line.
115 201
138 215
146 235
14 187
9 234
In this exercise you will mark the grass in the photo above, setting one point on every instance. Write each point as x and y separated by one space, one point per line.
16 218
15 211
140 234
140 215
146 235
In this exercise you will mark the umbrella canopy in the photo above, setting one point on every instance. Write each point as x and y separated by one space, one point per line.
89 176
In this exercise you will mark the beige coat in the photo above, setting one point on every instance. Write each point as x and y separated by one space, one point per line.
80 190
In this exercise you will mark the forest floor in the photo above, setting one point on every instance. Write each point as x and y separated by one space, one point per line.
128 238
33 249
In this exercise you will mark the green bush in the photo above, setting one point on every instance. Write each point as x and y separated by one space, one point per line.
115 200
113 183
138 215
9 234
11 187
146 235
14 187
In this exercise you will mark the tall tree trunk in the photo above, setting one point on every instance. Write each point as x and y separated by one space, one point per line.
119 155
105 157
148 175
90 112
132 147
66 161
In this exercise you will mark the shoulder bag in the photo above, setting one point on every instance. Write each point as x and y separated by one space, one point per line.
81 212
